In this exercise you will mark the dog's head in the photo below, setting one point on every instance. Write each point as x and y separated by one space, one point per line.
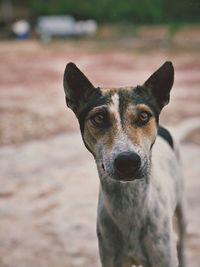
119 126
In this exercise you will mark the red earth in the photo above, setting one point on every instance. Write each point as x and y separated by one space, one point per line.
49 183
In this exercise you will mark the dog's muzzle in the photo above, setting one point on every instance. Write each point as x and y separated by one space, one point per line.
127 166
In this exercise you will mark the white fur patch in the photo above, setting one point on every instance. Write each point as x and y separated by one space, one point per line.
115 103
114 108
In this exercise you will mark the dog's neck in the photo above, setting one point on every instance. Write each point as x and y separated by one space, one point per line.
122 198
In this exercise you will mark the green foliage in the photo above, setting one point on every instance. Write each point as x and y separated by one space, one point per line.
136 11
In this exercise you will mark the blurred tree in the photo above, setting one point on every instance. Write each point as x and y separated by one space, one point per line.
143 11
7 11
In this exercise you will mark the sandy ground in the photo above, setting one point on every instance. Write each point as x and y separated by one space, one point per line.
48 181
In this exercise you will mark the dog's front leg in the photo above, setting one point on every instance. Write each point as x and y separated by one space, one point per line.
181 223
159 247
111 257
111 244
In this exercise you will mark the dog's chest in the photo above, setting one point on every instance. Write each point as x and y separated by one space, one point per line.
133 245
127 213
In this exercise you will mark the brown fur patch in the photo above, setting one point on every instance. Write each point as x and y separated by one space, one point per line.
107 136
139 134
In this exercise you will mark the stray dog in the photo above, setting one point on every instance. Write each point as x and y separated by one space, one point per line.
138 165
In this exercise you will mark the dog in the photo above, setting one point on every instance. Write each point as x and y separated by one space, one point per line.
141 185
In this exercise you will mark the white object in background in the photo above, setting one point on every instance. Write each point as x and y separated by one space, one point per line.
21 28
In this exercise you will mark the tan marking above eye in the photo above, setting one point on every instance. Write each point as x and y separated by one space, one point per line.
143 107
96 110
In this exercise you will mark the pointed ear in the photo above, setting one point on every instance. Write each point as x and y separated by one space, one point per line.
77 87
160 83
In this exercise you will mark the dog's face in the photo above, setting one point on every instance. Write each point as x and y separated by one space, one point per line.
119 126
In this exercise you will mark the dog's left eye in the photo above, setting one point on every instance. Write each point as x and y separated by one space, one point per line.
98 120
143 117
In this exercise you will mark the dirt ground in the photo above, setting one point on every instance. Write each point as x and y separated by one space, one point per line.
48 181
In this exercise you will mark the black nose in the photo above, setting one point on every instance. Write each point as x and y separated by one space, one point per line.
127 164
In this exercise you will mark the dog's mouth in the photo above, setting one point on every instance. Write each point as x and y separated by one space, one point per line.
127 177
103 167
123 177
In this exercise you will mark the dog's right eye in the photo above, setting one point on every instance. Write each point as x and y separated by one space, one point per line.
143 118
98 120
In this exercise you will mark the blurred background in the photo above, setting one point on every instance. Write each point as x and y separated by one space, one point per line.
48 181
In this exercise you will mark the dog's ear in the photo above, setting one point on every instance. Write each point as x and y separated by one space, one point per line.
77 87
160 83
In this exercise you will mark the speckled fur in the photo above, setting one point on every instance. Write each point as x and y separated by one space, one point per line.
135 218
